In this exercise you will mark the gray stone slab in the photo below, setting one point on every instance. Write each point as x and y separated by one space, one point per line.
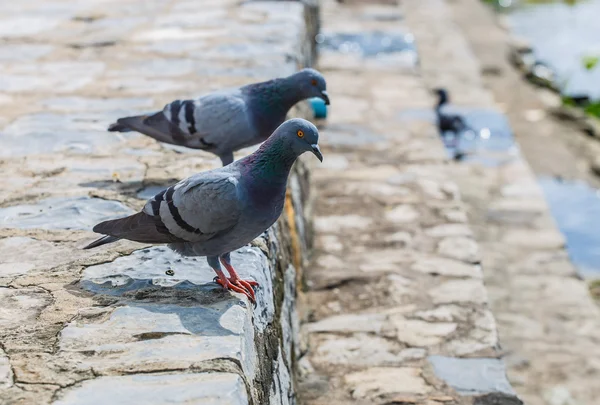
47 175
142 85
48 133
68 104
21 306
6 374
147 268
155 68
62 213
55 77
15 27
192 389
154 337
472 376
21 254
23 52
174 47
350 135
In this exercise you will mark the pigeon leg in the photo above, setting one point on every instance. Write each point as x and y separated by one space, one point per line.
221 279
235 278
226 158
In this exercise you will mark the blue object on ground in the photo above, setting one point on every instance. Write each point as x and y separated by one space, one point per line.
319 107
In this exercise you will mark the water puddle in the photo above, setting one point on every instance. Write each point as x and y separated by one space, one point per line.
369 44
561 35
392 49
575 207
490 142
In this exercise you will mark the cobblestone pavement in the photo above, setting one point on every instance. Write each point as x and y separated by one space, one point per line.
548 325
111 325
396 304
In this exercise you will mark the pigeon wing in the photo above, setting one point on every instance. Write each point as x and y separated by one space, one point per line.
194 210
221 121
199 207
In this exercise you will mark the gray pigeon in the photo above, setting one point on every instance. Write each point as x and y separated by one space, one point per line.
215 212
228 120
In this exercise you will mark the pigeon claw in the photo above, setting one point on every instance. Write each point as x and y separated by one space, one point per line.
239 286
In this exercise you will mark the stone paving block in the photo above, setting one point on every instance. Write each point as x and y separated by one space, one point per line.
193 389
363 350
147 268
6 374
15 27
62 213
56 77
41 133
154 337
74 103
376 382
22 254
472 376
19 306
24 53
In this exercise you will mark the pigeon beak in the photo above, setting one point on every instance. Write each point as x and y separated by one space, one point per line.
317 152
325 97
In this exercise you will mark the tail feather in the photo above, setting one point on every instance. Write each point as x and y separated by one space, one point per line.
116 127
102 241
155 126
139 227
128 124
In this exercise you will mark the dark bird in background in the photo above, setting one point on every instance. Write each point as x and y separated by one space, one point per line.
450 123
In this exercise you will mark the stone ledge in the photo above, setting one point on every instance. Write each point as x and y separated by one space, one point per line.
111 325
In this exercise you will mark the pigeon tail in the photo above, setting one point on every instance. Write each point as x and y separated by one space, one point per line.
128 124
116 127
102 241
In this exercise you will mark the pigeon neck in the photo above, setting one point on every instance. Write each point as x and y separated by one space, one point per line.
278 95
443 100
271 163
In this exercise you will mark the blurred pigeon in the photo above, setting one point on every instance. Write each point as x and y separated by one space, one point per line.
228 120
215 212
448 122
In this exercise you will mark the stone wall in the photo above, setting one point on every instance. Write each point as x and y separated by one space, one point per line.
113 325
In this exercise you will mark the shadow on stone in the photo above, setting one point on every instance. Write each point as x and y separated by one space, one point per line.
497 399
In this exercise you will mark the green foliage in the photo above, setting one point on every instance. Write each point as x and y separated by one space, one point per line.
568 101
590 61
591 108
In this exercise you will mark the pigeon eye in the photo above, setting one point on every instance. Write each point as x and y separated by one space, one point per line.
314 82
300 133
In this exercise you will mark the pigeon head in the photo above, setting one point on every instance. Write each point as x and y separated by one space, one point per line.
299 136
442 95
311 83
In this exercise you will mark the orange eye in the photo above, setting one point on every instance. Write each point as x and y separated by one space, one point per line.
314 82
300 133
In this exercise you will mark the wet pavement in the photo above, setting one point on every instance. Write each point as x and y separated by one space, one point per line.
575 207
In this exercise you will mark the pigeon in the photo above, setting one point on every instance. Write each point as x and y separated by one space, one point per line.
228 120
215 212
452 123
